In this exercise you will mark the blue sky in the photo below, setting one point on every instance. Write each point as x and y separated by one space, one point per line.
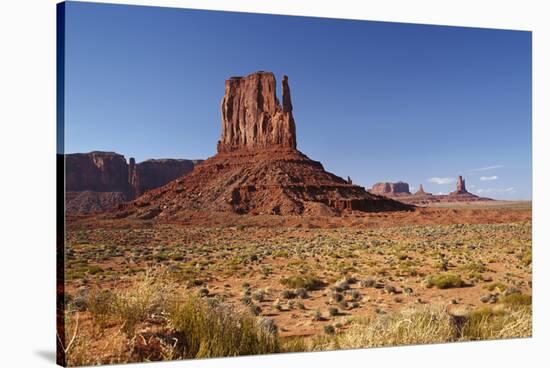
373 100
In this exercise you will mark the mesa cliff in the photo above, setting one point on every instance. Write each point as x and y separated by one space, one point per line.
258 168
99 181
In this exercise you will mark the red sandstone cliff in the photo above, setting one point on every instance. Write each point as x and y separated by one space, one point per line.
96 171
99 181
252 116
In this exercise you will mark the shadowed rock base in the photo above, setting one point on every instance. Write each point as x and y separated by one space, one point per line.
270 181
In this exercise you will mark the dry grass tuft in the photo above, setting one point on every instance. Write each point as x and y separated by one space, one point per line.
445 281
207 331
424 326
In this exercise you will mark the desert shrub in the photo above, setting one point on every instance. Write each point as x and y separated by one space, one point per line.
368 283
307 282
408 327
497 323
476 267
288 294
255 309
203 292
427 326
445 281
441 265
246 300
516 300
258 296
94 270
329 329
341 285
495 285
206 332
301 293
133 306
390 289
317 316
100 304
333 311
527 257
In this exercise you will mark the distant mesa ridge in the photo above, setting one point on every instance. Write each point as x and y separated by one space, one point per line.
257 168
400 191
99 181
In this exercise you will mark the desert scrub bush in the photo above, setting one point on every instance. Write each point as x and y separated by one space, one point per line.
100 305
445 281
422 326
429 325
329 329
288 294
516 300
475 267
307 282
301 293
317 316
206 332
527 258
498 323
496 285
255 309
337 297
368 283
258 295
133 306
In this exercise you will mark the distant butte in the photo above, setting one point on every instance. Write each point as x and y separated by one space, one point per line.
258 169
400 191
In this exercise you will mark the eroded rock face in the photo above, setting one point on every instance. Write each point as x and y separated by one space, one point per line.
390 188
252 117
154 173
99 181
96 171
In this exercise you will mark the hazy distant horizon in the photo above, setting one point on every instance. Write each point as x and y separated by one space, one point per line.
373 100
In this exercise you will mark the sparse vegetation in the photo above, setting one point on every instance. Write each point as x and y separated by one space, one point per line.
207 332
359 279
445 281
307 282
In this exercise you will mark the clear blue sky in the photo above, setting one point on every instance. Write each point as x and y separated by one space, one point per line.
376 101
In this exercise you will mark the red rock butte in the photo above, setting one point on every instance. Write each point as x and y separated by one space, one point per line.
253 118
258 169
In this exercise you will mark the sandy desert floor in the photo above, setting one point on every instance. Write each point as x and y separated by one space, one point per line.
315 278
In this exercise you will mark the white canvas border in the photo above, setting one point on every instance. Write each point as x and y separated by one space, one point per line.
28 178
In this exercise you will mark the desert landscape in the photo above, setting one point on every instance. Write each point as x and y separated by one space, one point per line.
259 250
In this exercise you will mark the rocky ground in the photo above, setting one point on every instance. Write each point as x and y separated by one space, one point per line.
309 273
